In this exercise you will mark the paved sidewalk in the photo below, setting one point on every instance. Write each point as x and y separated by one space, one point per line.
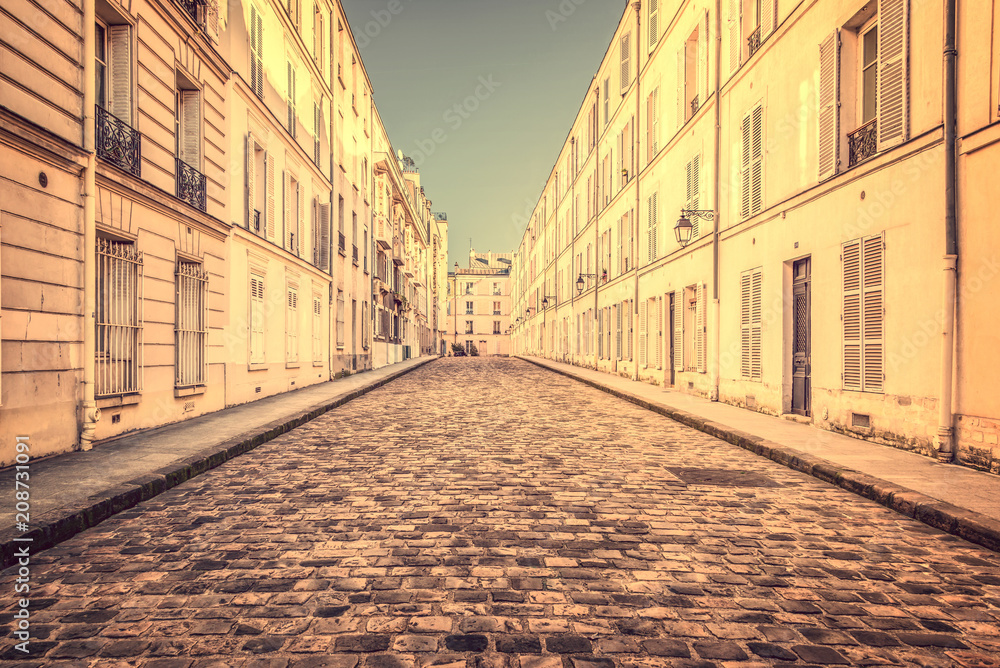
77 490
959 500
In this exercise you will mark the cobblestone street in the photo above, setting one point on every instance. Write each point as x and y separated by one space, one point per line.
486 512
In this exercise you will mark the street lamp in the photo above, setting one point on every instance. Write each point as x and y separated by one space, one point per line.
545 300
580 284
683 230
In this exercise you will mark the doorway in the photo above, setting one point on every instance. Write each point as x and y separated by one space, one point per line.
801 337
669 326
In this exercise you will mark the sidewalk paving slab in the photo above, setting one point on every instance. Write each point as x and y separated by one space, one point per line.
77 490
956 499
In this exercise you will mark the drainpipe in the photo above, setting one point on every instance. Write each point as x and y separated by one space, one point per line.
91 413
634 223
714 370
572 247
945 435
597 232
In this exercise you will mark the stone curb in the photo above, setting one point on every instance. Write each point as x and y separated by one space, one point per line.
967 524
58 525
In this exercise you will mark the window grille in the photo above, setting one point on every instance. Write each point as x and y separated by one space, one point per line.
119 318
191 326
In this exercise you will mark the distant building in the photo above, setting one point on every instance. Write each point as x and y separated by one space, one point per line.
479 312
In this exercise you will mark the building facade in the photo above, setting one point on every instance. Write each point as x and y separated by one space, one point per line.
479 304
194 228
805 271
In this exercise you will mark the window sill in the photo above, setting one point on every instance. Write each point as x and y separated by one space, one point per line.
189 391
317 364
292 365
119 400
260 366
342 252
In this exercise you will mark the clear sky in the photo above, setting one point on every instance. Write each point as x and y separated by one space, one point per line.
481 93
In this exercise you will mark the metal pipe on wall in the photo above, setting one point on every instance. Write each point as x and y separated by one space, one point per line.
91 413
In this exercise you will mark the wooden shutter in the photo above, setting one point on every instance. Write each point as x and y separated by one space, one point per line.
324 236
212 20
190 139
745 336
768 17
756 280
626 56
700 331
301 194
872 313
286 197
681 112
251 179
851 314
891 82
256 319
269 175
679 330
654 22
600 333
627 328
659 332
618 330
256 52
692 173
752 177
291 99
829 106
643 325
746 136
651 213
120 72
656 122
735 39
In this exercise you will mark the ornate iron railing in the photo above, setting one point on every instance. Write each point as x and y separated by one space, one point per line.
695 105
191 185
342 247
256 221
753 42
191 7
117 142
354 256
862 143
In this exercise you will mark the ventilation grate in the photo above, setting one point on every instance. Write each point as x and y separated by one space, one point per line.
861 420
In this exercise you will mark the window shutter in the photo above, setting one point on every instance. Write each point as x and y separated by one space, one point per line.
755 325
768 18
600 334
627 328
757 162
692 172
642 333
654 22
626 55
851 314
190 140
679 330
681 101
621 237
301 193
891 83
324 236
212 20
618 331
120 67
269 172
873 313
735 39
251 179
286 196
747 137
700 333
656 121
703 59
745 335
829 106
659 332
291 100
256 52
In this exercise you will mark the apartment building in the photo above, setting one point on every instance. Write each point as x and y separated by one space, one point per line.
806 261
479 304
439 280
170 249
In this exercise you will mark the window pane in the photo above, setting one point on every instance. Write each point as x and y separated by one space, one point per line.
868 94
870 47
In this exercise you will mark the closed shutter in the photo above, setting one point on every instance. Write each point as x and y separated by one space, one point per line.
292 327
829 106
120 75
256 319
300 192
654 22
679 330
692 173
745 281
851 314
656 122
891 82
256 52
626 56
324 236
752 177
756 370
212 20
873 313
269 174
643 325
700 332
190 139
627 328
287 194
735 39
658 324
291 99
618 330
745 149
251 180
768 17
651 213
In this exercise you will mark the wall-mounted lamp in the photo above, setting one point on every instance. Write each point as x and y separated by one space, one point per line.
545 300
683 230
580 283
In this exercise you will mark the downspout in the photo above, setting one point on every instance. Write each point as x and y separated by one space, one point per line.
945 435
714 370
91 413
371 231
634 223
572 247
597 227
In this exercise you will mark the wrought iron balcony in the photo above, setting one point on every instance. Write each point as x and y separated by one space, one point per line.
862 143
117 142
354 255
753 42
695 105
256 221
342 244
191 185
191 7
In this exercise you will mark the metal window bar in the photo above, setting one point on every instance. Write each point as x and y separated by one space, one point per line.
695 105
256 221
119 318
117 142
342 243
192 8
191 328
191 185
753 42
862 143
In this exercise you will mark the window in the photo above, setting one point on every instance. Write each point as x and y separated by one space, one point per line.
692 175
256 318
340 319
293 196
868 48
625 50
651 225
496 326
256 52
187 124
607 108
321 236
317 130
260 189
191 325
863 314
468 308
119 318
692 72
496 288
750 321
496 308
468 327
317 329
341 240
653 124
468 288
750 23
653 22
752 163
292 325
117 142
365 324
292 95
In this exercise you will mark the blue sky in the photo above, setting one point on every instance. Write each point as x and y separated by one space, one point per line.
481 93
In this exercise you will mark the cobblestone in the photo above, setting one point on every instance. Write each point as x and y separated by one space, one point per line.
488 513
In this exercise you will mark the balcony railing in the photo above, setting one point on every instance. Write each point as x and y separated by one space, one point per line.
695 105
191 7
753 42
862 143
342 244
117 142
354 255
256 221
190 185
